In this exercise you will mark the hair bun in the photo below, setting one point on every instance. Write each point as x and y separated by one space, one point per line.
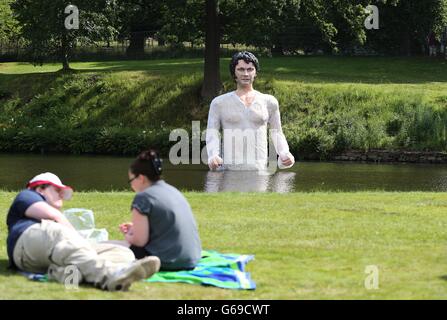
147 155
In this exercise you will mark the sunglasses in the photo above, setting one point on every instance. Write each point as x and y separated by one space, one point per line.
130 180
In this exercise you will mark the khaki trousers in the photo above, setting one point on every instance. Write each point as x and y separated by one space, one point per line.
49 247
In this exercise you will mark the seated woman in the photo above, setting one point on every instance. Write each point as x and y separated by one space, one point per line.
163 224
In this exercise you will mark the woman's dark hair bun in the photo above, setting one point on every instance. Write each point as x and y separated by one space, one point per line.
148 163
147 155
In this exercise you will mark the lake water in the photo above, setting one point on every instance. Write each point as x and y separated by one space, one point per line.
106 173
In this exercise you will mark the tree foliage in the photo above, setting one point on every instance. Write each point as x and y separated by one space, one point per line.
184 22
290 25
286 26
9 28
405 24
43 26
276 26
138 20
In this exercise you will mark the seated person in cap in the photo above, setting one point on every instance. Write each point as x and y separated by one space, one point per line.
41 240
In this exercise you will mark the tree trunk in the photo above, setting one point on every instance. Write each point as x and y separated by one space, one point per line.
406 43
277 49
65 64
161 41
65 52
136 46
212 85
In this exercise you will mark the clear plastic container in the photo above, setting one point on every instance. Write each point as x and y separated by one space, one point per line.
83 220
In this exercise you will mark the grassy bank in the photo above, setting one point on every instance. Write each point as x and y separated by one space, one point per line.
306 245
328 104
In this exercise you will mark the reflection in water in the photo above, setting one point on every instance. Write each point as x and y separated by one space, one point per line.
249 181
283 182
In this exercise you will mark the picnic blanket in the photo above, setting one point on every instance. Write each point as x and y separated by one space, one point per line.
225 271
214 269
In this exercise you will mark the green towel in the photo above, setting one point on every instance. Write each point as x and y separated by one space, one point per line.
225 271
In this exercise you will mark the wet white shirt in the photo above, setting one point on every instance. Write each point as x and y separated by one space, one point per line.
244 131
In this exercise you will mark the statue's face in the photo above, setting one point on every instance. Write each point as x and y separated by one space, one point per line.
245 73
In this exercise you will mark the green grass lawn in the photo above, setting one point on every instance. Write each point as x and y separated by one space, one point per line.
374 70
306 245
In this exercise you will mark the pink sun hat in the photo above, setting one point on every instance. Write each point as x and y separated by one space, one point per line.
51 178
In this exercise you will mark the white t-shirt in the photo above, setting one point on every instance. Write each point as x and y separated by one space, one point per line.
244 131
